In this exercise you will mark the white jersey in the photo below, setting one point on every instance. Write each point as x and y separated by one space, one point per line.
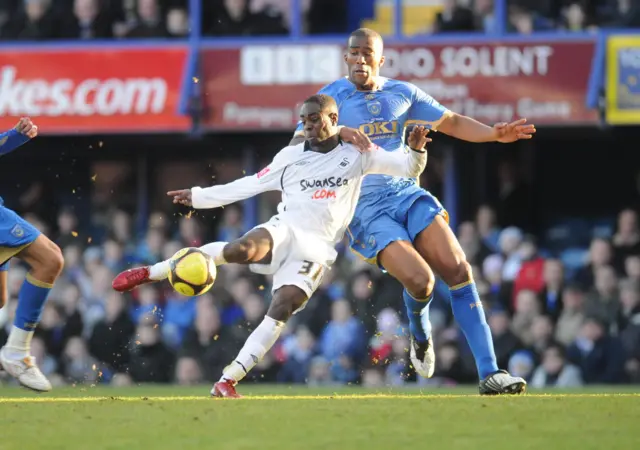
319 190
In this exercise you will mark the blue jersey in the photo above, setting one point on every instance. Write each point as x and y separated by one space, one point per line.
384 115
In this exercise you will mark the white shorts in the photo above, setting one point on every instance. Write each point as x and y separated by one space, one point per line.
289 264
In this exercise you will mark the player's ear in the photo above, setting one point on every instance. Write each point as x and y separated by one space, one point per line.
382 59
334 118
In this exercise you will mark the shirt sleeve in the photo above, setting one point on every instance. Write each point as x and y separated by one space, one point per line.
400 163
268 179
425 110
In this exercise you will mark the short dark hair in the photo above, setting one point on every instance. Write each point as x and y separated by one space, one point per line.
366 32
324 101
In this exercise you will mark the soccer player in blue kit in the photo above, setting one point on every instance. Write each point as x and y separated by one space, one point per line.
402 227
20 239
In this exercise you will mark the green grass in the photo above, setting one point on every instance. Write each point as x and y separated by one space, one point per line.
303 418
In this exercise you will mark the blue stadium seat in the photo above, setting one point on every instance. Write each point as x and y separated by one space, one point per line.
568 233
573 259
603 228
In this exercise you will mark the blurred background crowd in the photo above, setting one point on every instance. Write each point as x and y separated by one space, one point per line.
561 314
104 19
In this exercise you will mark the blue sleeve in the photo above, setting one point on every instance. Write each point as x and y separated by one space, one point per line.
327 90
11 140
425 110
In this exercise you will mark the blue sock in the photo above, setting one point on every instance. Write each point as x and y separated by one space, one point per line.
468 311
418 313
31 299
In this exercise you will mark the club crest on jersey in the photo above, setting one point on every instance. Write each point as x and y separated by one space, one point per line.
374 107
372 241
17 231
344 163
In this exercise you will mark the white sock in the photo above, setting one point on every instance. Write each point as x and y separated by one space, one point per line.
257 345
19 343
159 271
214 250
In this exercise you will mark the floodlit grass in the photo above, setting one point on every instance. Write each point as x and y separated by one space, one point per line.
276 417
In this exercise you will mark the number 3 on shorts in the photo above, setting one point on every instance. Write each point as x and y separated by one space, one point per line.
311 270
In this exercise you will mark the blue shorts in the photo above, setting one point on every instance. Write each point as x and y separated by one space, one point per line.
15 234
388 216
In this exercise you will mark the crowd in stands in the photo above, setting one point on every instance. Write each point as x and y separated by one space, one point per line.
101 19
559 317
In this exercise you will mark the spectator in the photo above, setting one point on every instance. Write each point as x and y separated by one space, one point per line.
510 240
555 371
632 267
151 360
601 357
231 227
551 294
600 254
78 365
450 368
475 250
177 23
35 22
527 309
236 19
487 227
572 316
542 335
575 18
604 301
522 364
343 343
456 16
505 342
298 351
208 341
629 312
150 23
626 242
188 372
88 22
111 337
532 273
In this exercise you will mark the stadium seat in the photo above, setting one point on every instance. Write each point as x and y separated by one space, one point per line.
417 16
573 259
603 228
567 233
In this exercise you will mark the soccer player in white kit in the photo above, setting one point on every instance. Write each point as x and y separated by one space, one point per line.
320 183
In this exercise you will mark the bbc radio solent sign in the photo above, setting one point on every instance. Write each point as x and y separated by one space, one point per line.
262 86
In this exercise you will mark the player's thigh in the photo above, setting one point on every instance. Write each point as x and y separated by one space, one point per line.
292 277
439 246
406 265
4 287
254 247
43 256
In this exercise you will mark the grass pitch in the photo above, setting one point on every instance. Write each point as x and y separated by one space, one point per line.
303 418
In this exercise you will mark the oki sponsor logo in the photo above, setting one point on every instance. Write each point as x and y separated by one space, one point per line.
323 193
84 97
330 182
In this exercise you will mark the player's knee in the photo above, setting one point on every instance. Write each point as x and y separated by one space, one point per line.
419 284
4 297
52 261
285 302
459 273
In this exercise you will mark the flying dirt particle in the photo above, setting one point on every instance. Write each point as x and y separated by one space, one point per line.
93 178
74 233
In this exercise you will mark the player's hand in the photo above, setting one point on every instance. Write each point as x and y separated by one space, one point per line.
357 138
418 138
182 197
27 127
514 131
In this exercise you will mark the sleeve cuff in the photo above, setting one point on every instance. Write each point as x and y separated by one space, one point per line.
197 200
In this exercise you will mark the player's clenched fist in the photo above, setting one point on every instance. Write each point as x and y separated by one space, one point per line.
182 197
418 138
27 127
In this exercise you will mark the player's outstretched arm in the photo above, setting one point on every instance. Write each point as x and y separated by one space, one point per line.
400 163
268 179
18 135
468 129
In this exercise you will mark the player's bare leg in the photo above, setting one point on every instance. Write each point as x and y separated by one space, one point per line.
405 264
441 249
46 262
4 288
255 246
285 302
